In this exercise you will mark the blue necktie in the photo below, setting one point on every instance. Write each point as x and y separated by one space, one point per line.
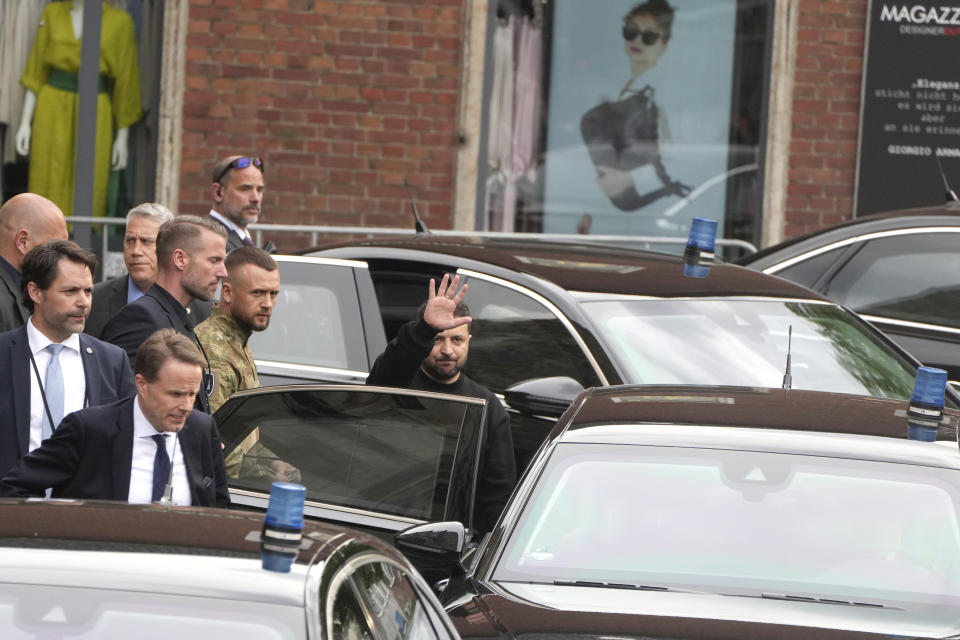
53 390
161 466
247 241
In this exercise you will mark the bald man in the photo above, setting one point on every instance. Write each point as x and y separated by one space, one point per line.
26 220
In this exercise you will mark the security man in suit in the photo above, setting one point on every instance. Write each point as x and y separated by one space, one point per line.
26 220
47 367
237 193
190 255
140 257
148 448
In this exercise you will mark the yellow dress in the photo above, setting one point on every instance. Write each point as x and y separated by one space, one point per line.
54 130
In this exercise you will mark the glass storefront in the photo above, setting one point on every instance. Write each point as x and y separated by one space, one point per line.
40 102
627 118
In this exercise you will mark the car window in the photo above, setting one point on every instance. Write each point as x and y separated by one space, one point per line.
515 337
908 277
392 602
807 272
744 342
406 453
798 524
316 320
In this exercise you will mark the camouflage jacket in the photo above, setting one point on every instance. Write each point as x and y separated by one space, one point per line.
230 358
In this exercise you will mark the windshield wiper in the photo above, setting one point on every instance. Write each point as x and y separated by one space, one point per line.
847 603
624 585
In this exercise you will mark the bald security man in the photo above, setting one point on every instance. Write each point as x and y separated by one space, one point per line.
26 220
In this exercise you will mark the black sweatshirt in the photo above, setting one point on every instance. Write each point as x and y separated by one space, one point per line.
399 366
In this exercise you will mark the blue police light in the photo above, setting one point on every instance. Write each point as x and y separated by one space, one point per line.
925 409
283 526
699 253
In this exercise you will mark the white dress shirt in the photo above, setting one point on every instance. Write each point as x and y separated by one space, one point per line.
74 381
141 463
229 225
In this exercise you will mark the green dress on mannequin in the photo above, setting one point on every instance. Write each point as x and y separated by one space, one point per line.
51 68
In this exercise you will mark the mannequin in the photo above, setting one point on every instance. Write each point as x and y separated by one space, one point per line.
50 81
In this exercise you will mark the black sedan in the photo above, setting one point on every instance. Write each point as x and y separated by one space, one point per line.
898 270
720 512
571 316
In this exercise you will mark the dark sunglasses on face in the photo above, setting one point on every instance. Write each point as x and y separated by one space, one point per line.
649 38
241 163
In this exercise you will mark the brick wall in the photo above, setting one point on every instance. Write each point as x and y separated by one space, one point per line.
341 99
826 114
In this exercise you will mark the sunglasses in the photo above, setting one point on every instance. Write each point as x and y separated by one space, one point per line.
241 163
631 31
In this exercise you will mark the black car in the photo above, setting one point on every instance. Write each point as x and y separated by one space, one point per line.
553 318
898 270
721 512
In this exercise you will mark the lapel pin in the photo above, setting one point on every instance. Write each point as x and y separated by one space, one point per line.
89 350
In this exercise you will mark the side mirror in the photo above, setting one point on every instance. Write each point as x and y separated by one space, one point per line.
434 549
543 396
439 538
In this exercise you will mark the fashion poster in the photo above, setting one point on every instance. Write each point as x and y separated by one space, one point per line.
639 115
910 121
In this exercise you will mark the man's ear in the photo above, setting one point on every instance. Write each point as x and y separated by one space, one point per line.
22 241
216 192
226 292
34 292
180 259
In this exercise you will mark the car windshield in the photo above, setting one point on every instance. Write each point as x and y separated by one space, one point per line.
744 342
741 522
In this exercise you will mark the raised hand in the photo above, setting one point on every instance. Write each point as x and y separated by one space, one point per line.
442 301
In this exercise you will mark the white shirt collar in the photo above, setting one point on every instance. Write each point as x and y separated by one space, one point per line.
38 341
141 426
229 225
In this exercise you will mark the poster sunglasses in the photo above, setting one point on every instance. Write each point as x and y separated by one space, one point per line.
630 32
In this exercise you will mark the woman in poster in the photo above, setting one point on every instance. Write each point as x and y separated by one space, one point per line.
624 135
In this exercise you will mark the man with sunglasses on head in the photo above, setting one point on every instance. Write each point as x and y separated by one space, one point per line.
237 193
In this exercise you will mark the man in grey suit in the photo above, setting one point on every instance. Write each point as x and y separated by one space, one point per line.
26 220
140 256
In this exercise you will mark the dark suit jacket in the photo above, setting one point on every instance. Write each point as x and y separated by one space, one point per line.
137 321
90 454
105 370
12 312
234 241
111 295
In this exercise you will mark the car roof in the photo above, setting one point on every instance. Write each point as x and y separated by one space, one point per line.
748 407
944 215
96 524
574 266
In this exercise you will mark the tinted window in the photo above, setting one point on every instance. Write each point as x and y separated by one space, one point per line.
516 338
398 454
911 277
316 320
349 620
808 271
744 342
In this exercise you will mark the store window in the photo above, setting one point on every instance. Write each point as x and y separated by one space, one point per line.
625 117
39 79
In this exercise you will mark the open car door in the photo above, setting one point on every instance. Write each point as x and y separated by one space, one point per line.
376 458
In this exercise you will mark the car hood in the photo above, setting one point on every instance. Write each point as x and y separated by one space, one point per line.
547 611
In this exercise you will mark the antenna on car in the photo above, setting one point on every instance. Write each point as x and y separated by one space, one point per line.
787 376
418 225
951 194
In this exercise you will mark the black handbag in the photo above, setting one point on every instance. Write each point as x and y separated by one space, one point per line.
623 136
